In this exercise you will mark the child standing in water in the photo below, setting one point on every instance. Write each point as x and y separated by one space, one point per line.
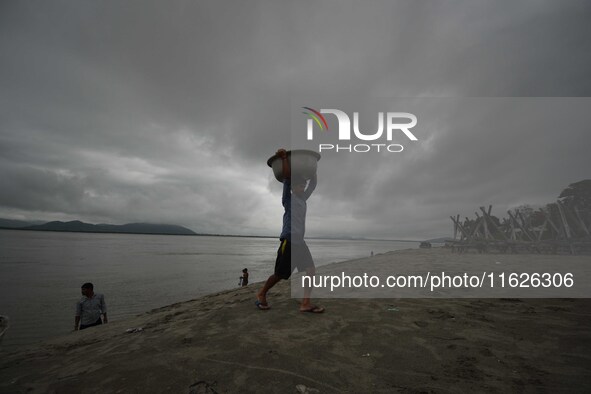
244 278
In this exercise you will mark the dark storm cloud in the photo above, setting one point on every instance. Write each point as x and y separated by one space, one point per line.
471 153
167 112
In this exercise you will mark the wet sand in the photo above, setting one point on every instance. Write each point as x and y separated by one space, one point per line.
222 344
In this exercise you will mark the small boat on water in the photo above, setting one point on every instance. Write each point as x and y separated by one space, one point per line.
3 326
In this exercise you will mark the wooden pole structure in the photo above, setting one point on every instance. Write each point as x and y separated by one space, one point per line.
476 228
566 226
487 216
525 225
519 225
564 222
581 221
460 227
513 236
549 220
487 235
572 229
542 230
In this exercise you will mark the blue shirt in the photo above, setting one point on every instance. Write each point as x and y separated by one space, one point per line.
294 217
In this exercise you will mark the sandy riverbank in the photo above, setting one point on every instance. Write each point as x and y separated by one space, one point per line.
222 343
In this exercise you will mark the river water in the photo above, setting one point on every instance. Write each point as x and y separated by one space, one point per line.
41 272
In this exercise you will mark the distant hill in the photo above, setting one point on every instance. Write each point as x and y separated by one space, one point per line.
78 226
9 223
440 240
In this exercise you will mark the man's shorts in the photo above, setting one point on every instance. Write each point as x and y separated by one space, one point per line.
291 256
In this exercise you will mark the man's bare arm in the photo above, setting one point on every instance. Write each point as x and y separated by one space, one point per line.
311 187
281 153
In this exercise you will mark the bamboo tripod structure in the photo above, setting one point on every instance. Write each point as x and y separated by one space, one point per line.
562 230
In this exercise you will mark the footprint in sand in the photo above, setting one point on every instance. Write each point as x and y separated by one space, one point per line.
486 352
202 387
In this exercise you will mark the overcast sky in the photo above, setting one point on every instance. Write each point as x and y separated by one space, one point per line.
166 112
